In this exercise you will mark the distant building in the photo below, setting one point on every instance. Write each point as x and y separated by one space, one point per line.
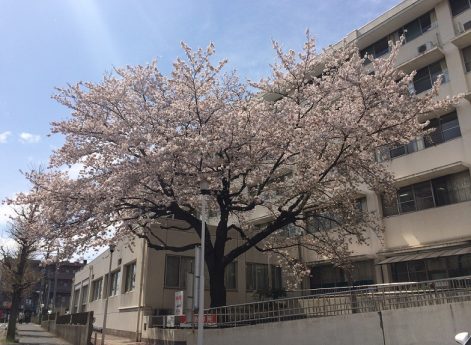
42 292
56 285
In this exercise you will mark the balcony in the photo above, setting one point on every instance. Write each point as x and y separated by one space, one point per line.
428 226
462 24
414 167
420 52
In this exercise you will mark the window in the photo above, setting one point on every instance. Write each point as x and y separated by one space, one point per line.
445 190
262 277
427 76
377 49
410 31
114 283
431 269
76 301
417 27
96 289
84 298
458 6
445 128
130 277
176 269
466 52
230 276
329 276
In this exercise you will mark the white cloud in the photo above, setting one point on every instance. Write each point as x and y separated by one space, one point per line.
29 138
6 211
4 137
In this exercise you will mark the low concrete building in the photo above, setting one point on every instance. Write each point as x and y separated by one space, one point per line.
143 282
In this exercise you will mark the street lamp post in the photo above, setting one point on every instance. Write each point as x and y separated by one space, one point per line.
204 191
108 288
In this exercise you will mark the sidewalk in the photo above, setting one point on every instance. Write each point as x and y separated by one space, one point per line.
32 334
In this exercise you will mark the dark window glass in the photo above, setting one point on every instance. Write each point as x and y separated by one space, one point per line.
406 199
422 81
417 27
276 277
397 151
458 6
400 272
440 191
425 22
417 271
437 268
381 47
172 271
423 195
465 265
230 276
130 278
412 30
450 126
425 77
389 207
467 58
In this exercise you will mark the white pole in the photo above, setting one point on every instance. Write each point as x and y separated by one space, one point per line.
201 271
108 289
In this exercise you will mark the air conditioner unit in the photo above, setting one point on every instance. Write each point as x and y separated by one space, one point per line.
422 49
467 25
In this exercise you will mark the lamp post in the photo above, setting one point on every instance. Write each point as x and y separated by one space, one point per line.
204 191
108 289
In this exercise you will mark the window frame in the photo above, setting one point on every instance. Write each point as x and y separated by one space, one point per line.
97 289
114 286
130 282
396 208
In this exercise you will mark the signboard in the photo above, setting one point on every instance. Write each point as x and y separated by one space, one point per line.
179 303
210 320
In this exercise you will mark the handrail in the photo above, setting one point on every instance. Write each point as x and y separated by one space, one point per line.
343 301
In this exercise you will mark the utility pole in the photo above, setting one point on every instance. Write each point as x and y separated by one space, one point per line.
204 191
108 289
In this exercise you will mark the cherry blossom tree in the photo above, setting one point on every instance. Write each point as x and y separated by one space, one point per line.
298 147
16 265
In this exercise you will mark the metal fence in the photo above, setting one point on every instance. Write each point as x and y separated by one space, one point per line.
343 301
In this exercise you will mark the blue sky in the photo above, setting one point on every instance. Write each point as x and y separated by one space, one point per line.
49 43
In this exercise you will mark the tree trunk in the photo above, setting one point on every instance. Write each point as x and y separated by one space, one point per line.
17 291
14 311
217 288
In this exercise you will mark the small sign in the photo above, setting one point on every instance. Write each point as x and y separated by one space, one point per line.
179 303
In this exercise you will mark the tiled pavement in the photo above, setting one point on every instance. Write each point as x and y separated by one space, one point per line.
32 334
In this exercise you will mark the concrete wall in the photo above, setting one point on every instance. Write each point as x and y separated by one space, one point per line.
432 325
74 334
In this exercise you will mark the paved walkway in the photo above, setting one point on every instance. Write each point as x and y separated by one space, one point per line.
32 334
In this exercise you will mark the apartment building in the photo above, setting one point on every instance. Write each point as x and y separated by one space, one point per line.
428 228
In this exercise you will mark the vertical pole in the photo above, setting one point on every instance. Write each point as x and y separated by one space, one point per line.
141 287
202 262
108 289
